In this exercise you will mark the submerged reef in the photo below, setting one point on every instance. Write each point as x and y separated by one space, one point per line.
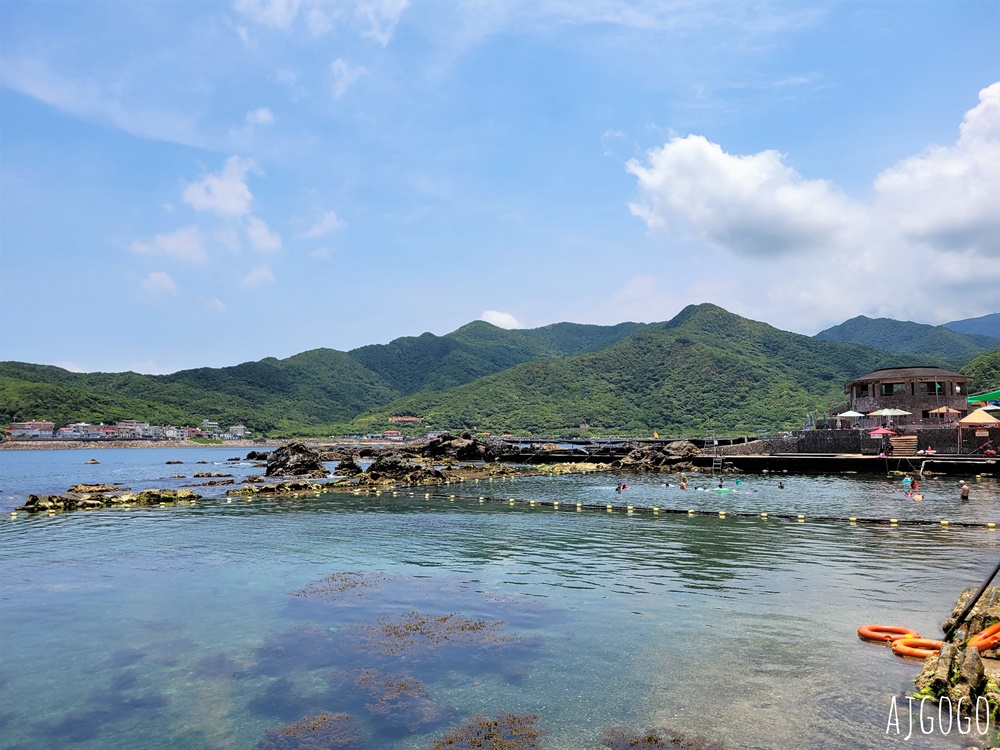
352 582
624 739
399 699
414 631
505 732
325 731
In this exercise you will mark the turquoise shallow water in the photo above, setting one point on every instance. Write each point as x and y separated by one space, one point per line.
177 628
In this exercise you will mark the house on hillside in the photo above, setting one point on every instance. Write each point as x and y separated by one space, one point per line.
918 390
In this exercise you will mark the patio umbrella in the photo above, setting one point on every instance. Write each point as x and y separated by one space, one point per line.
878 431
850 414
944 410
889 412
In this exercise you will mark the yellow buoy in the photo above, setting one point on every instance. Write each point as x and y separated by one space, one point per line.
555 504
763 515
691 512
722 514
655 509
852 519
531 502
944 523
610 508
991 526
893 521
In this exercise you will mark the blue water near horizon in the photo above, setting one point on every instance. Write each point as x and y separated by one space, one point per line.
176 627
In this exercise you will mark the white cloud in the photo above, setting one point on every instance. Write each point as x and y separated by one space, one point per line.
260 116
186 244
224 193
100 101
949 197
278 14
381 17
377 19
500 319
257 277
326 224
158 284
906 254
344 76
755 205
262 239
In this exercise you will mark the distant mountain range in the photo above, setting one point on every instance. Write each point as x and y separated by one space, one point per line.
706 370
945 345
987 325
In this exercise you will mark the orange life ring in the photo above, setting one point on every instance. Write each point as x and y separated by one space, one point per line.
918 647
886 632
987 639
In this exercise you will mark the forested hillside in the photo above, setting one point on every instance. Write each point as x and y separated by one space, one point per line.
705 370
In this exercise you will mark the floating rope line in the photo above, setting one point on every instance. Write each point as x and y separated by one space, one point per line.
721 514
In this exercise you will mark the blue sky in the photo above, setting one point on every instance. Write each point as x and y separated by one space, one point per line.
189 184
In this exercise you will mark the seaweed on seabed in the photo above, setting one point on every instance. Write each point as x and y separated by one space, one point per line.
332 586
414 631
505 732
621 739
325 731
401 699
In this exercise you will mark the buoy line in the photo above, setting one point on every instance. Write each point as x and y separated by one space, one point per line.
721 514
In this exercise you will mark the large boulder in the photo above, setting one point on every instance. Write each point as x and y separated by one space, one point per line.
347 468
295 459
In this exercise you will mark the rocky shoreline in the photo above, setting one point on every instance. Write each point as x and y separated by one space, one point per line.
297 468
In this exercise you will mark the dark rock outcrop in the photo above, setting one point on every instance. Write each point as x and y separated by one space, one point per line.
258 455
347 468
671 456
295 459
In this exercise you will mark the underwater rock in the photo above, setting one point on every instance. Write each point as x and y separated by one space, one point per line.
416 632
505 732
623 739
325 731
353 582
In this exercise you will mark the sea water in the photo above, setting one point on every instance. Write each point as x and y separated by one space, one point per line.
210 625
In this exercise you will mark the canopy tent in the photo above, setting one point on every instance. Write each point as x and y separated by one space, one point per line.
979 418
983 397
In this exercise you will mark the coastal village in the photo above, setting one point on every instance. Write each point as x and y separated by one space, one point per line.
125 429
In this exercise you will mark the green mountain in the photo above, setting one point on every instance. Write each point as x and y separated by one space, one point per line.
317 387
984 371
706 370
322 385
931 345
987 325
431 363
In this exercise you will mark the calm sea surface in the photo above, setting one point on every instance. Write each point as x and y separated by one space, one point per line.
180 627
